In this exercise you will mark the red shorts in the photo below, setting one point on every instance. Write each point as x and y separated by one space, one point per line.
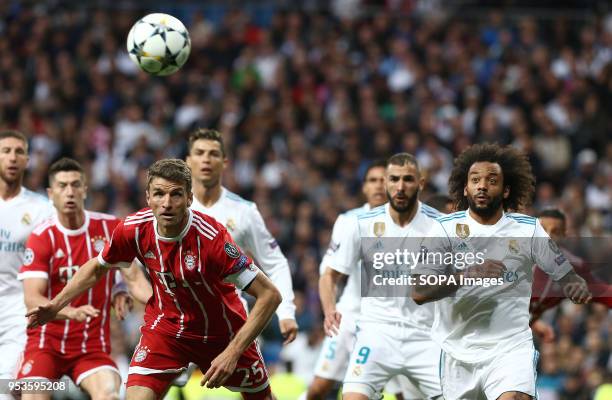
158 359
50 364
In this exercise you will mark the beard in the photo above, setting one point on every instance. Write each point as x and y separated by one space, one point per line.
411 201
488 210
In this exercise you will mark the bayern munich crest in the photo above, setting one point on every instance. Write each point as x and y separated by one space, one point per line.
190 261
27 367
98 243
141 354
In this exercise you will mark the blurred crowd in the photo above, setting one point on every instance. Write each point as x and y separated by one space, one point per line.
306 100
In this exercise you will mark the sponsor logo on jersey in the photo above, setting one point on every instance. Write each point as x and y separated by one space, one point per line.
190 261
27 367
357 370
98 243
59 253
379 228
273 244
141 354
560 259
66 273
28 256
149 254
231 250
513 246
26 219
462 230
230 224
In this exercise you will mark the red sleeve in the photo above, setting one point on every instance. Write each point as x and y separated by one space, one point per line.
36 259
225 254
121 249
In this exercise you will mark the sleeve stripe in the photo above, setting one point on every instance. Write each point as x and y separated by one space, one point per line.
206 228
32 274
204 224
138 221
205 234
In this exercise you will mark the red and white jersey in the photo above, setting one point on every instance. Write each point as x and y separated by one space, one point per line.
194 275
56 253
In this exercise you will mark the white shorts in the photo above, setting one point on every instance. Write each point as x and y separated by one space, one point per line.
12 339
513 371
403 385
383 350
336 350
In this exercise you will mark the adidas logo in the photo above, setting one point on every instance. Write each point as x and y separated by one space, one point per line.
59 253
149 254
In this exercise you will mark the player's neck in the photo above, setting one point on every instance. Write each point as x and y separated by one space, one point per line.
72 221
173 231
487 220
403 218
207 196
9 190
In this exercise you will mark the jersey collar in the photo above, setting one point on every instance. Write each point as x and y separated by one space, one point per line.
72 232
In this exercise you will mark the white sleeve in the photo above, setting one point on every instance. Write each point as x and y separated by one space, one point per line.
334 244
242 279
547 254
433 247
269 257
348 249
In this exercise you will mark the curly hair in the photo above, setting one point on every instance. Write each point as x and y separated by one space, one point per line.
516 171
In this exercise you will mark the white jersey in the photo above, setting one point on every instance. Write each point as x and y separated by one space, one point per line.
478 322
18 218
350 300
377 223
247 227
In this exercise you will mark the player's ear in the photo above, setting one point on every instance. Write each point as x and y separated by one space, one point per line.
189 199
50 192
506 191
224 162
147 197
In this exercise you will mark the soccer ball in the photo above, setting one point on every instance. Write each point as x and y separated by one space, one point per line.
159 44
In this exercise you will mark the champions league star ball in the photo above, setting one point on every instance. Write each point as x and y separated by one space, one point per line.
159 44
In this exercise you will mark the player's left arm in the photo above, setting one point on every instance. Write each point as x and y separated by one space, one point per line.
267 299
272 261
551 260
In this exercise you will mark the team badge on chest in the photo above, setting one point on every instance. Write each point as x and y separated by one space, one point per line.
462 230
190 261
379 228
98 243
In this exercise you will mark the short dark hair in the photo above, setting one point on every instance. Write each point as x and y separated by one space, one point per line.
552 213
11 133
402 159
516 171
206 134
380 163
439 202
64 164
172 169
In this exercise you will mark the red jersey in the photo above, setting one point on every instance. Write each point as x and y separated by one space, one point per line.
546 293
56 253
194 275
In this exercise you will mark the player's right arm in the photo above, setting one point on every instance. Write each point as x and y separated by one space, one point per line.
341 256
85 278
120 251
34 274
